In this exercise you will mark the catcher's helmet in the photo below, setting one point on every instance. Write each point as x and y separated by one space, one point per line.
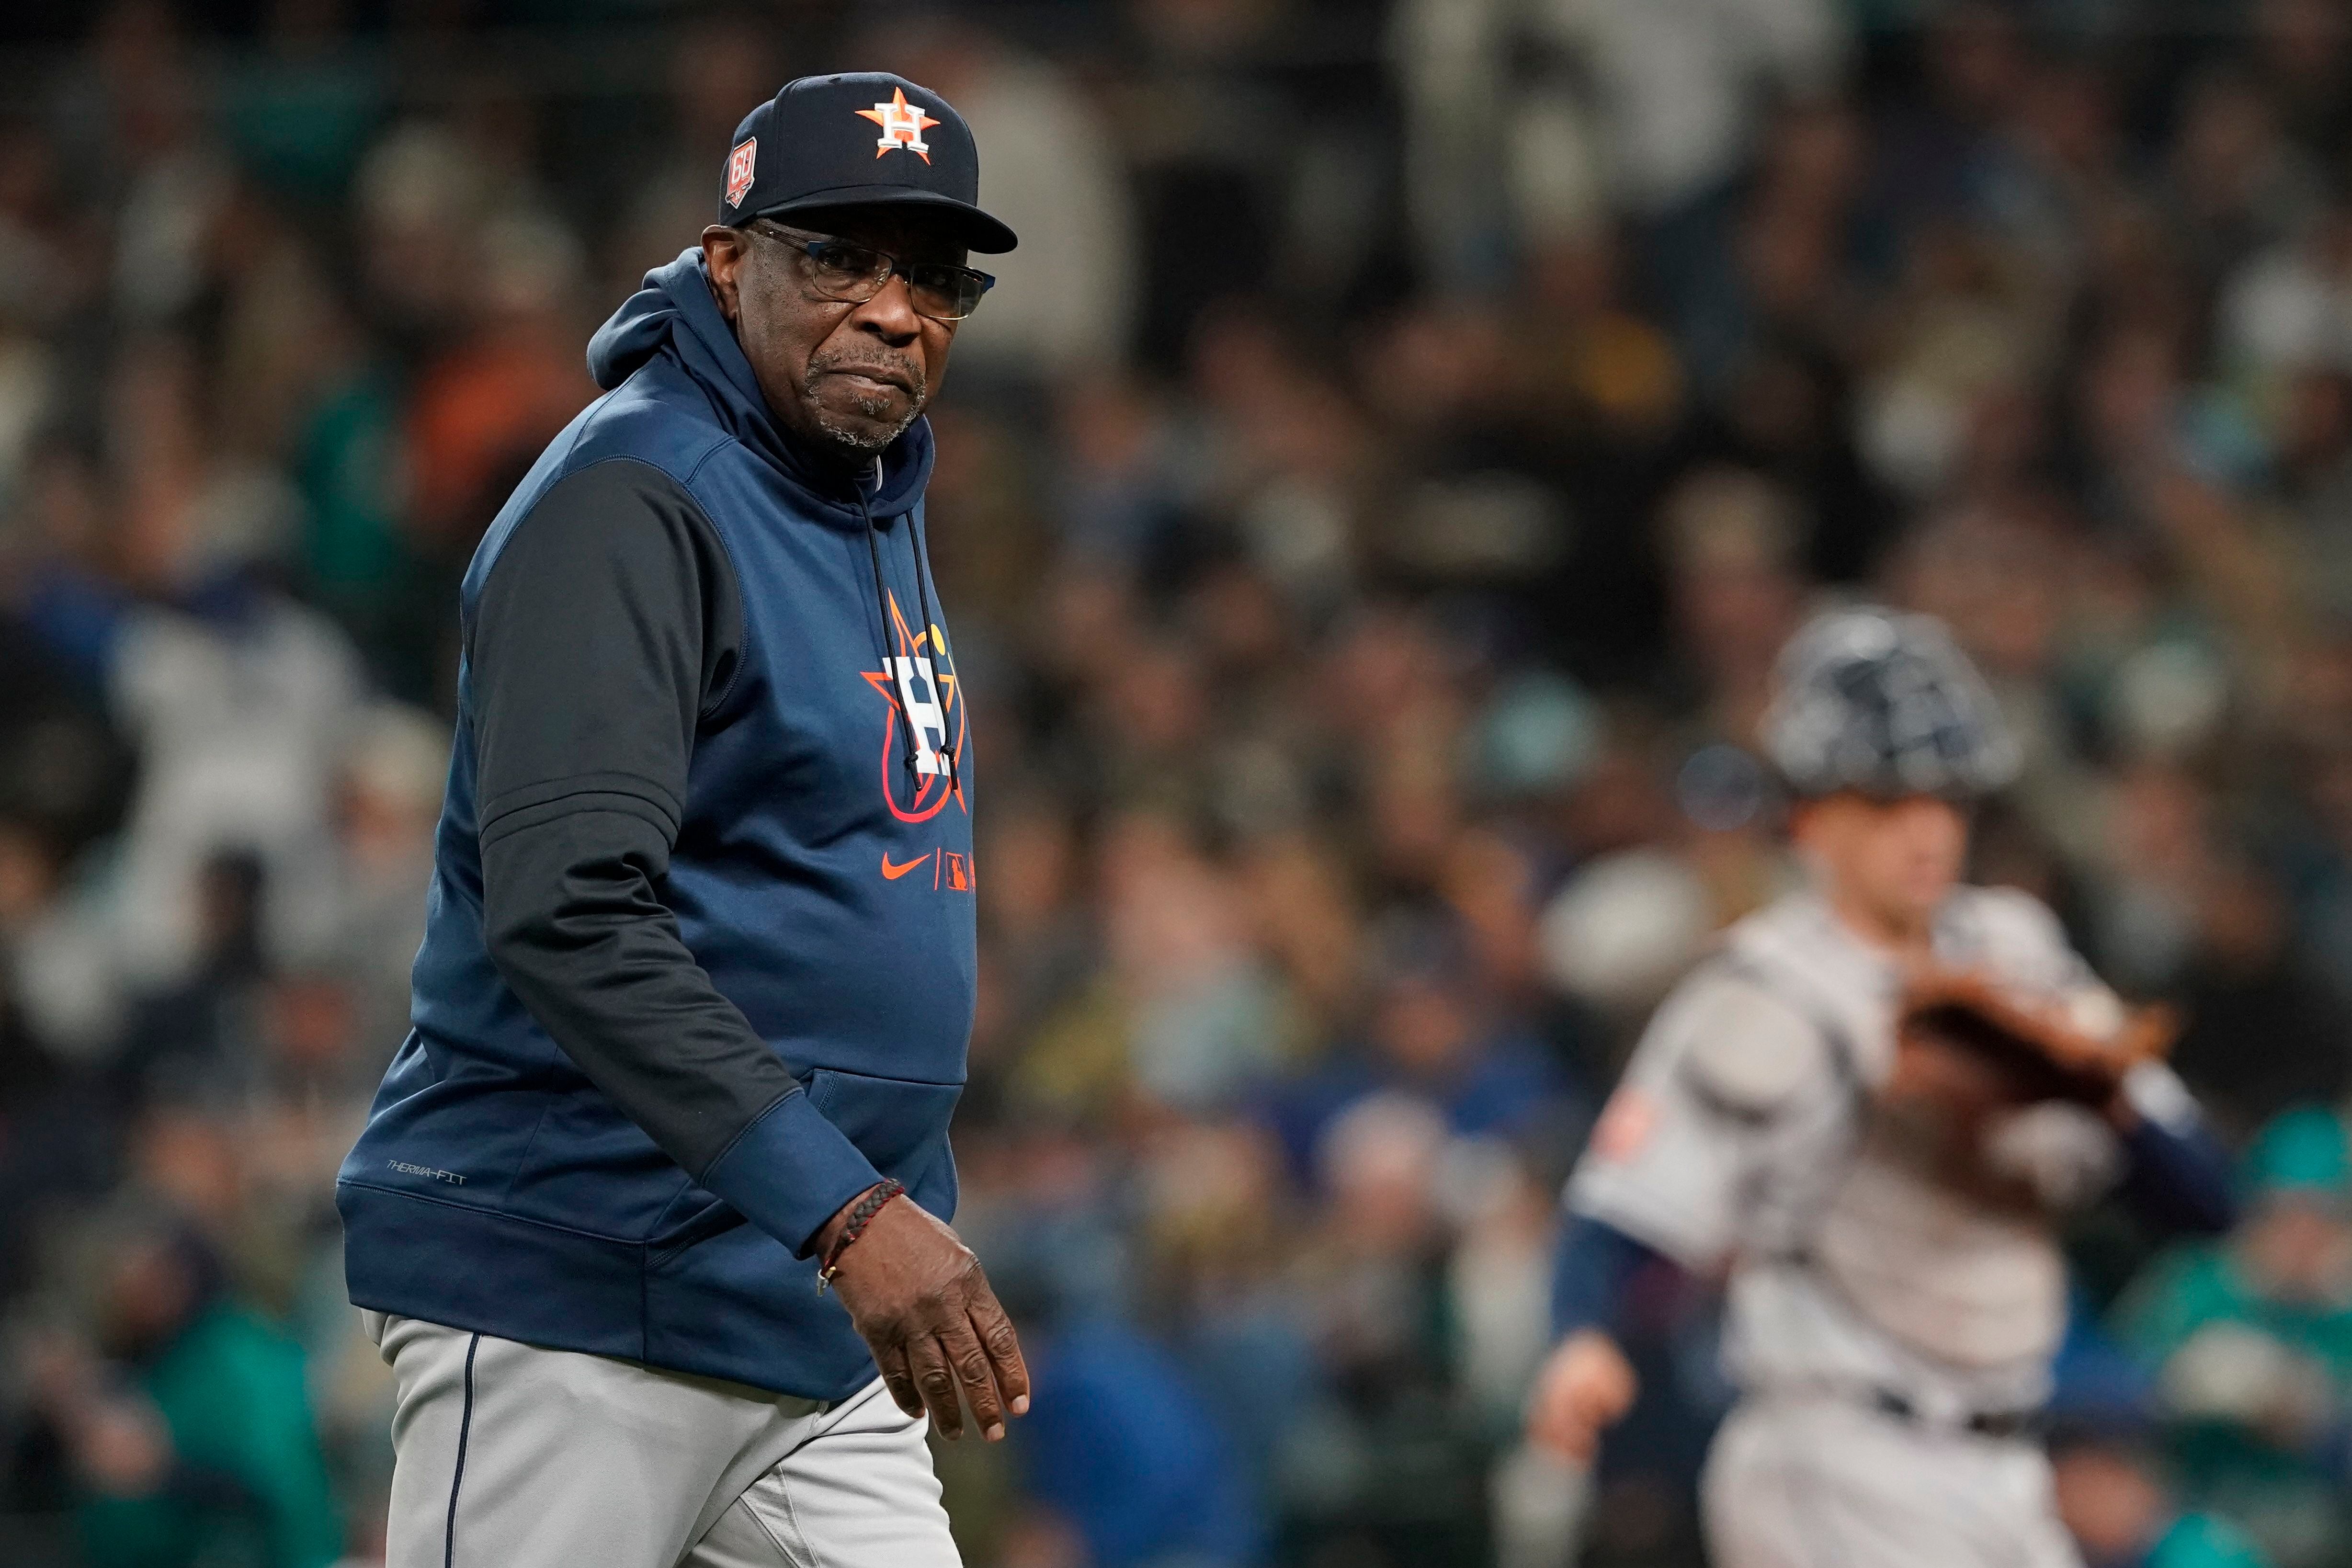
1883 702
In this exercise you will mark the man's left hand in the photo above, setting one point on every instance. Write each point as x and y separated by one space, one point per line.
919 1300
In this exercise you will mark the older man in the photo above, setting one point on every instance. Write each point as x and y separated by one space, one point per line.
650 1215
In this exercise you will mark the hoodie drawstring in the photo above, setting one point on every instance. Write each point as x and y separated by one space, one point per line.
882 614
938 652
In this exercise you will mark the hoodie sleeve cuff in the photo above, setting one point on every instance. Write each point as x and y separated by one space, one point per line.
791 1171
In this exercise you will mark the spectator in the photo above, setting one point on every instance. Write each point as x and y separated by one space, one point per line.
185 1418
2112 1496
2252 1340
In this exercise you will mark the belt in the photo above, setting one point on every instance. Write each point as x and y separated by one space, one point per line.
2003 1426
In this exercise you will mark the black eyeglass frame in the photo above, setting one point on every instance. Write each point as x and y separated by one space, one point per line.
813 245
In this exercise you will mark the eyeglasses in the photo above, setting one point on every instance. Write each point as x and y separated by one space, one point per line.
844 270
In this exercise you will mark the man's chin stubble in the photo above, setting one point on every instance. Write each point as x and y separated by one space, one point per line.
866 439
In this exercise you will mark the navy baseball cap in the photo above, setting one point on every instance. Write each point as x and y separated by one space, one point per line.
859 139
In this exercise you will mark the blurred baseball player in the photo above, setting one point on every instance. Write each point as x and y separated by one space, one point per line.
650 1212
1871 1105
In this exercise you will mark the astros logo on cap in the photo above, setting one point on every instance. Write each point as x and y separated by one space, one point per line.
738 170
902 125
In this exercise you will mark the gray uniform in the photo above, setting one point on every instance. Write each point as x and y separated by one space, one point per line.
1886 1333
512 1456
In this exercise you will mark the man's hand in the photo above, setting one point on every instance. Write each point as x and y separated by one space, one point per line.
1586 1387
919 1301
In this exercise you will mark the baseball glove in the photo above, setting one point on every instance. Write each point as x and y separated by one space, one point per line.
1942 1228
1992 1044
1969 1059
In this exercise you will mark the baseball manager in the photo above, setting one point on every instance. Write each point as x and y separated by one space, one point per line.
649 1217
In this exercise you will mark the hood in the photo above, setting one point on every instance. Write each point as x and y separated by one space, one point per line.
675 310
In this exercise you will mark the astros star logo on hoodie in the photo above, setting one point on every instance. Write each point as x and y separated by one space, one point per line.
923 694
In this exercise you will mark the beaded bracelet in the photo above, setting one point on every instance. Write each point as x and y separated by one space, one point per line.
855 1227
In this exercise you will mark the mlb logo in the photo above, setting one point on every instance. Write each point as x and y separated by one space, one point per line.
739 171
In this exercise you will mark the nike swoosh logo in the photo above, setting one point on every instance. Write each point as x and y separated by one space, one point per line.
892 873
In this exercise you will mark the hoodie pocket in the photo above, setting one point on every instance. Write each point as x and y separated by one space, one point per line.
900 1124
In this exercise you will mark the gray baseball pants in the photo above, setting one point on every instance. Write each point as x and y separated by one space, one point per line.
1822 1482
509 1455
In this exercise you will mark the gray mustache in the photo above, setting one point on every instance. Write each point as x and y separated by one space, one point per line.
881 369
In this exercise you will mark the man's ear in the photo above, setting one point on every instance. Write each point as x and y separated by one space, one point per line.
722 252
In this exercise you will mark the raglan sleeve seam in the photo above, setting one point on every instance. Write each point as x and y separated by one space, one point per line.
731 582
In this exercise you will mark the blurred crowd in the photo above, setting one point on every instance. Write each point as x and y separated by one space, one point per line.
1368 510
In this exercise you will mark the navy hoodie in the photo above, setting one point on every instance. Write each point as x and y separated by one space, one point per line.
699 956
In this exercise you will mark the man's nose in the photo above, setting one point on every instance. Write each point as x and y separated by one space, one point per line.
890 314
